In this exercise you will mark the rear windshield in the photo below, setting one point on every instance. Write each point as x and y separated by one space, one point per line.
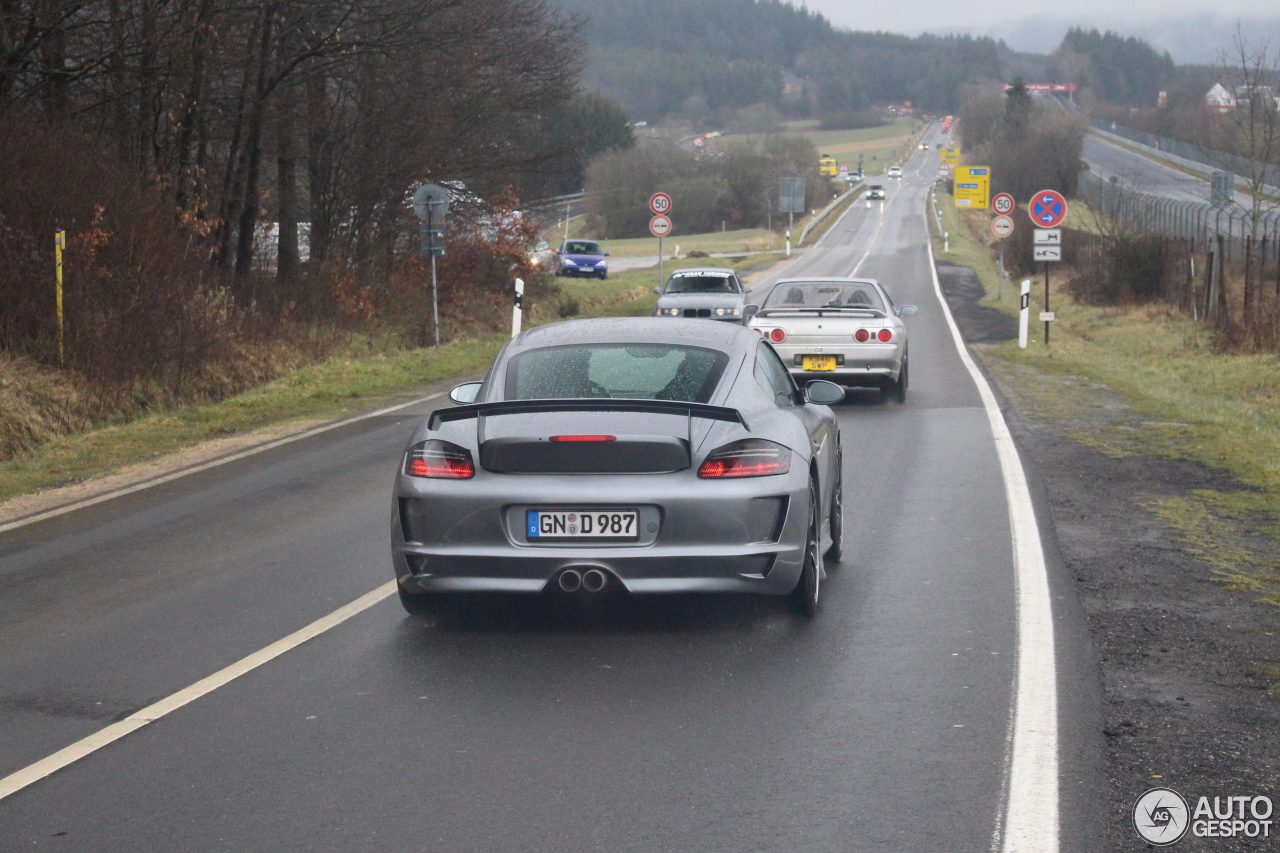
824 294
582 247
701 284
645 371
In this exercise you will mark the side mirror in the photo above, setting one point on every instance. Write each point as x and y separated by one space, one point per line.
464 393
824 393
906 310
658 290
749 311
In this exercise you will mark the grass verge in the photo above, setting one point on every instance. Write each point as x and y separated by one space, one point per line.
1148 381
327 390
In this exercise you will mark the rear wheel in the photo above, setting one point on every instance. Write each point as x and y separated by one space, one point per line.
809 588
836 521
898 390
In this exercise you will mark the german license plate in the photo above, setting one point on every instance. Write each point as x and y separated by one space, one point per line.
593 524
819 362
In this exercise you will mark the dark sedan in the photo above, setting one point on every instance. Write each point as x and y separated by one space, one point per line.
582 257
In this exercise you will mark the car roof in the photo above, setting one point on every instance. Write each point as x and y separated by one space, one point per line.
725 271
827 279
726 337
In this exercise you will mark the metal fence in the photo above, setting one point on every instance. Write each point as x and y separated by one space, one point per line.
1188 151
1198 221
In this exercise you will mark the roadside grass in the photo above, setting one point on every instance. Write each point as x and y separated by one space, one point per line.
880 147
816 233
328 390
741 240
1146 380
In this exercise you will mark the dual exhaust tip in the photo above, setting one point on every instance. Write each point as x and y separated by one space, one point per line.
592 580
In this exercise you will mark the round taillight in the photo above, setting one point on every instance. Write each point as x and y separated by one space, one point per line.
777 336
885 335
862 336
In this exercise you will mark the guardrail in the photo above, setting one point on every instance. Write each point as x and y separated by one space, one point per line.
1198 221
1189 152
823 214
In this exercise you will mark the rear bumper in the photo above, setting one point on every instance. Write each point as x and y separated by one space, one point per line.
695 535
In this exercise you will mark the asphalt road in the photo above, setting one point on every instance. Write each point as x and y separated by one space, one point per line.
688 724
1135 171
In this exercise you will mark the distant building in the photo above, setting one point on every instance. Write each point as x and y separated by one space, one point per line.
1263 95
1219 99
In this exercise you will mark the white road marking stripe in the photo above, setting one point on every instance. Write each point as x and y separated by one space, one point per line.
205 466
66 756
1030 818
871 244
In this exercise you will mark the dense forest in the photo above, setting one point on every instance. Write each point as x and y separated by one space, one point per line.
164 136
704 59
1119 70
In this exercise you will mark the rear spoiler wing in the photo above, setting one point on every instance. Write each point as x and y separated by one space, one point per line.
589 404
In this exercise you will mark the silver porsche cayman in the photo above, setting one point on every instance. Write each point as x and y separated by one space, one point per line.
632 455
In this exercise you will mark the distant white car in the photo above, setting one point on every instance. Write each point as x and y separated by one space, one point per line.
894 172
542 255
924 146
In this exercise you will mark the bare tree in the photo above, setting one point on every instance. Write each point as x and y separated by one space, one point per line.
1251 70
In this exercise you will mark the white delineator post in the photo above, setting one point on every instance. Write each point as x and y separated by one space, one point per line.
1024 315
517 311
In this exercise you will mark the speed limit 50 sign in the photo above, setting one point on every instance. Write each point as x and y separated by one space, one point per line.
1002 203
659 204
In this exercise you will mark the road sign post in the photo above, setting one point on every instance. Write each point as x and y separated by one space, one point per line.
660 227
790 199
431 205
59 243
972 188
1047 210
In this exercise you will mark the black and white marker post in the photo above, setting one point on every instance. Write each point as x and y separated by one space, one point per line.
1024 315
517 310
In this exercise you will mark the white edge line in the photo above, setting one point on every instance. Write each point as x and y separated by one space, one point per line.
205 466
1030 814
68 755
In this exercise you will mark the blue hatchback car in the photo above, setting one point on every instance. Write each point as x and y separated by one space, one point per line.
582 257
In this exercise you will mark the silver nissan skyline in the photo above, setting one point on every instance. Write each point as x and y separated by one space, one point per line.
631 455
846 330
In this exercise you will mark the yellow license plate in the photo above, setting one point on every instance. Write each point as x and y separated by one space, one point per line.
819 362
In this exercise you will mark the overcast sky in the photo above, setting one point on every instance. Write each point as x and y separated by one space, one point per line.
1191 30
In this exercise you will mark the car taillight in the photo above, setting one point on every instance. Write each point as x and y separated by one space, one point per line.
750 457
583 438
438 459
885 335
862 336
777 336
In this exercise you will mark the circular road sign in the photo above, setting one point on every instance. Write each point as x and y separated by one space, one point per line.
660 204
1001 226
1047 209
1002 203
660 226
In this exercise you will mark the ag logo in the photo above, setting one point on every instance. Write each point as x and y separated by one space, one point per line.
1161 816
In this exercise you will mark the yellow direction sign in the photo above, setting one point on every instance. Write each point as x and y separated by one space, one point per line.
949 154
973 187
